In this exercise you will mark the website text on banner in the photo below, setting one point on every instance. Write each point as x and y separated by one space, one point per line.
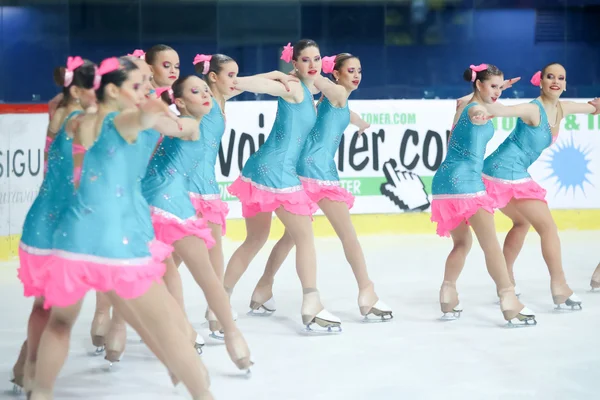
389 169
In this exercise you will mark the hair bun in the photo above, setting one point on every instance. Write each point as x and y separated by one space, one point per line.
59 76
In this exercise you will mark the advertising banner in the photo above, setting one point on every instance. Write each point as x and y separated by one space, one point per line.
389 168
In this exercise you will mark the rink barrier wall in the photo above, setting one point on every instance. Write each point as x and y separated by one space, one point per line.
374 224
389 169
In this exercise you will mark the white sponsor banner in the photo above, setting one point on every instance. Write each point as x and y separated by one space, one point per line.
389 169
22 141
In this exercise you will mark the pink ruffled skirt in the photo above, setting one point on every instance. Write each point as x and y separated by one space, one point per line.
168 228
32 267
256 198
503 191
449 211
318 190
69 276
211 208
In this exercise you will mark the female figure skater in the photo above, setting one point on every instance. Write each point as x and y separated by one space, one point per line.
220 72
320 180
460 200
114 257
269 182
507 181
111 332
164 65
165 187
57 188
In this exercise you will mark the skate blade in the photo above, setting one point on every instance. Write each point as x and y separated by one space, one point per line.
198 348
381 316
321 327
217 335
331 330
569 306
16 389
451 316
17 385
97 352
112 365
260 312
522 321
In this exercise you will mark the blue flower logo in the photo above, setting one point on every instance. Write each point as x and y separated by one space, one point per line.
570 166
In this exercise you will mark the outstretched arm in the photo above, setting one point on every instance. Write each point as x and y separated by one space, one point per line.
184 128
505 85
479 115
274 88
336 94
571 107
248 83
360 123
130 122
528 112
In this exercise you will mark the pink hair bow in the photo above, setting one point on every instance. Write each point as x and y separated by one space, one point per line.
205 59
106 66
72 64
288 53
475 69
141 54
161 90
328 64
536 79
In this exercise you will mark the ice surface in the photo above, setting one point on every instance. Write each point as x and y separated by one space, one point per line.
415 356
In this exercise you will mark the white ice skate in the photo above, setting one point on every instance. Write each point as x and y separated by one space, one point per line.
100 327
262 303
216 331
199 343
314 316
449 302
17 382
115 343
515 313
238 351
371 308
564 301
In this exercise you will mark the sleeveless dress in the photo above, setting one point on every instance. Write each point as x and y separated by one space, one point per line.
148 140
316 167
41 221
204 189
269 179
166 188
505 170
99 243
457 188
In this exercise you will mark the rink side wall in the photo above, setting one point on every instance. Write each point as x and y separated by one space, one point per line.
389 168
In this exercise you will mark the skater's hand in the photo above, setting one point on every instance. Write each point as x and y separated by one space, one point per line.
152 110
286 79
596 104
479 115
53 104
362 127
507 84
